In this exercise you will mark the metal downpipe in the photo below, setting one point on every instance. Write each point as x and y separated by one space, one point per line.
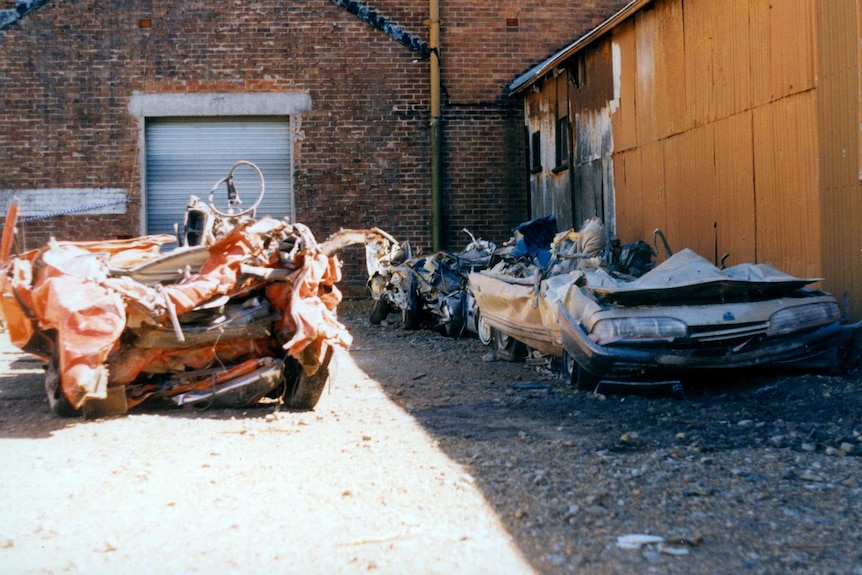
436 128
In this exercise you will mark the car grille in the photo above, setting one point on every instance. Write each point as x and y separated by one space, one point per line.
710 333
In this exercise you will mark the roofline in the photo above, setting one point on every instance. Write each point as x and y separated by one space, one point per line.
534 74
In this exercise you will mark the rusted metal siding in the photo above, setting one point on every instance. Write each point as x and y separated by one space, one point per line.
671 89
591 104
690 201
736 128
786 192
580 92
551 185
659 71
624 74
628 189
783 49
734 183
727 90
639 192
838 103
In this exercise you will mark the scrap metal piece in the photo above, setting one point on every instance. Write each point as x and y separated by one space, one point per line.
241 391
123 321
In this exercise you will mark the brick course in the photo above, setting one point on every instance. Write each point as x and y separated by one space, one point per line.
70 68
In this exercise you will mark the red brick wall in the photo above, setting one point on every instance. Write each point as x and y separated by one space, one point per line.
70 68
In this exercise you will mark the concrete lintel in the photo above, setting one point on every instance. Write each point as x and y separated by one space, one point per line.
219 104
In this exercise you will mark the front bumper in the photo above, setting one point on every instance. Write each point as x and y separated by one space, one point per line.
817 348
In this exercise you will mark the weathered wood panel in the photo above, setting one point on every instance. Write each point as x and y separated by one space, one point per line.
595 90
591 104
640 197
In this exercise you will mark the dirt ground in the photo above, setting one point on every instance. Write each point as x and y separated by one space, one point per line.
424 457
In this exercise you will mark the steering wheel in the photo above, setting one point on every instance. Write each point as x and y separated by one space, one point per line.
233 196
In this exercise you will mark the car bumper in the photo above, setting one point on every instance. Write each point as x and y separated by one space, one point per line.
817 348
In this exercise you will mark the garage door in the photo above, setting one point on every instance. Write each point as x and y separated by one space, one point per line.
189 156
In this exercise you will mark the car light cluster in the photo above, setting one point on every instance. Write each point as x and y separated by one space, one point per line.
803 317
639 329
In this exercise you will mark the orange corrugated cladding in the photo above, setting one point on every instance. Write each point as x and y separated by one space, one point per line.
738 131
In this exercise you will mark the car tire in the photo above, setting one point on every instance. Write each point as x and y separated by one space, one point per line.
305 390
57 400
508 348
379 312
410 316
452 328
484 331
568 367
584 380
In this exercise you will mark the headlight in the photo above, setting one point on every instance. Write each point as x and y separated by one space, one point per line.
638 329
803 317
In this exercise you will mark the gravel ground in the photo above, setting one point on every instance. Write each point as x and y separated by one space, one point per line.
423 457
758 475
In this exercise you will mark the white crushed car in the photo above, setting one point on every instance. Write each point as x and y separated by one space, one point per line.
681 317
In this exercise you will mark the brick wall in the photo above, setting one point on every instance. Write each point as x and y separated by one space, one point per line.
70 68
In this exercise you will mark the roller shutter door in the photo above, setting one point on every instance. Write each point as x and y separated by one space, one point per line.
189 156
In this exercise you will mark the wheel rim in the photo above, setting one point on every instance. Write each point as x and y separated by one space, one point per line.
484 331
501 340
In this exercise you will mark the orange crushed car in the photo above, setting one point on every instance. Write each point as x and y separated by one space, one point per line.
243 309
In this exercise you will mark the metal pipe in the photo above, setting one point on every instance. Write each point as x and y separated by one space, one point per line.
436 128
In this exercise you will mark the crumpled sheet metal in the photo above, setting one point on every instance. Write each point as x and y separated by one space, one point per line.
687 275
88 316
76 289
513 307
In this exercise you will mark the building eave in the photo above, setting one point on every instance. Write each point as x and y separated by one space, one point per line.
533 75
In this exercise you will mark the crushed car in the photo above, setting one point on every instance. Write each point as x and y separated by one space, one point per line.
426 290
608 314
240 310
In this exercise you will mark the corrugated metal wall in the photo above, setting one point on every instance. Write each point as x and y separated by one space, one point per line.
693 71
736 132
839 131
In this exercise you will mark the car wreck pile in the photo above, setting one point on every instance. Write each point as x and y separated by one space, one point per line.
606 313
243 309
426 289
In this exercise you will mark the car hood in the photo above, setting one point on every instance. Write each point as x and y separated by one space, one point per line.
687 276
